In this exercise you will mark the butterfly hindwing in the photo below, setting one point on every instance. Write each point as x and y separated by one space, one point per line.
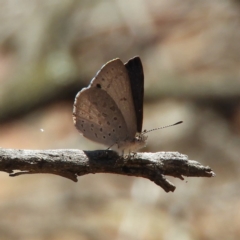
98 118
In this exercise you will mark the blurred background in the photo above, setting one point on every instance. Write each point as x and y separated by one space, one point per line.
190 51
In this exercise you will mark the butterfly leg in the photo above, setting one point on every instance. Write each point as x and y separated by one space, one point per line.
111 146
133 154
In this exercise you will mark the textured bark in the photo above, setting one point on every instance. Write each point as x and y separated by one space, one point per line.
71 163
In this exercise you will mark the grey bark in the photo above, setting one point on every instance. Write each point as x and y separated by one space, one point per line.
71 163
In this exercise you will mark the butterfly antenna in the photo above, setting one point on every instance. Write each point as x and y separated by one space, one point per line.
162 127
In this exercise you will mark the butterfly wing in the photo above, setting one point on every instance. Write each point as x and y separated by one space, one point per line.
98 118
114 80
136 76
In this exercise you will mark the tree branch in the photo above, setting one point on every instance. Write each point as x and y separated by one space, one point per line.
70 163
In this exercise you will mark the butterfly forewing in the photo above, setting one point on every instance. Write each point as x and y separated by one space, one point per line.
136 76
113 78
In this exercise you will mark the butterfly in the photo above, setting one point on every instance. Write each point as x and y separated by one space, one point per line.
110 110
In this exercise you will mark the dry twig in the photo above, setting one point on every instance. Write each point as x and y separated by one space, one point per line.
71 163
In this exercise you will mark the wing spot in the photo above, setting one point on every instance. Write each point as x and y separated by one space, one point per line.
115 118
113 130
109 134
100 129
92 125
99 85
96 135
113 108
104 137
103 79
123 99
119 126
104 114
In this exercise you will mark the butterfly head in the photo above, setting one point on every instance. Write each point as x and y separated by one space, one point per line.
140 139
131 145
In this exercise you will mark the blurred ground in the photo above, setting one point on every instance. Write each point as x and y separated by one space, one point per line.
191 54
